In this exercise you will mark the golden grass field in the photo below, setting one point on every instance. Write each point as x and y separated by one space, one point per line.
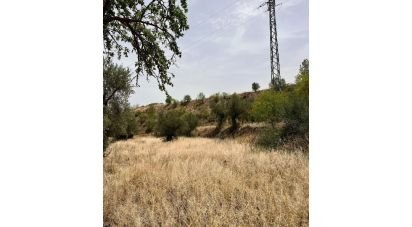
203 182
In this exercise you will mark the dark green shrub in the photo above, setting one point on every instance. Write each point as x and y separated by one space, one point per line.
151 119
190 122
286 111
175 103
203 114
168 124
186 100
174 123
255 86
116 90
218 107
236 107
297 118
201 97
168 100
269 138
270 106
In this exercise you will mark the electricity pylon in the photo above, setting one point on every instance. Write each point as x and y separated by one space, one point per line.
275 77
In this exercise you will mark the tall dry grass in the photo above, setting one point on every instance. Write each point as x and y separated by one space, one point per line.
203 182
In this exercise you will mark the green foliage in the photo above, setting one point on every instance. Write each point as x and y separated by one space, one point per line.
218 106
168 124
201 97
255 86
203 114
151 119
172 123
236 107
289 107
116 83
175 103
270 106
228 107
168 100
131 123
269 138
186 100
119 121
151 29
190 122
297 120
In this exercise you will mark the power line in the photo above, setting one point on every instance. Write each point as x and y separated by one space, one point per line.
275 77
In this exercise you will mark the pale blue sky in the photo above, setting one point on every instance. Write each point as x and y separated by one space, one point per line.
226 48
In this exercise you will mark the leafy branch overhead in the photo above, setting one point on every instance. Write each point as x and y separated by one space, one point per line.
151 29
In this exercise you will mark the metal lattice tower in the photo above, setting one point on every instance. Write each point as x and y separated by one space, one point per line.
274 51
275 78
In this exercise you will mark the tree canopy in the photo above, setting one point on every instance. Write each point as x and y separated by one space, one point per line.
118 119
255 86
116 82
149 29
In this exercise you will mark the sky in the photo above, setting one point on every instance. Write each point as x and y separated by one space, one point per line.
226 49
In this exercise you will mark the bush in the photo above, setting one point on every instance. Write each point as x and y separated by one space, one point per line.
235 109
186 100
190 122
289 106
201 97
269 138
168 100
218 107
270 106
203 114
297 119
119 122
173 123
150 119
175 103
168 124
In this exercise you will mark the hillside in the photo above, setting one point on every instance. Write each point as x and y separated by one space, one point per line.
194 105
207 122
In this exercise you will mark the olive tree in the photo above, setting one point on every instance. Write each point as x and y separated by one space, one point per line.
255 86
148 30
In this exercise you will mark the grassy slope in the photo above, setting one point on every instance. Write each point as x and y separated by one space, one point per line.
203 182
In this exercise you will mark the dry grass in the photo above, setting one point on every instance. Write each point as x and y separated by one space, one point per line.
203 182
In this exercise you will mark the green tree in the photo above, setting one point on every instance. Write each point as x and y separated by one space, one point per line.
255 86
190 122
168 124
148 29
201 97
270 106
151 118
119 121
186 99
173 123
290 107
297 118
168 100
236 108
116 83
218 107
